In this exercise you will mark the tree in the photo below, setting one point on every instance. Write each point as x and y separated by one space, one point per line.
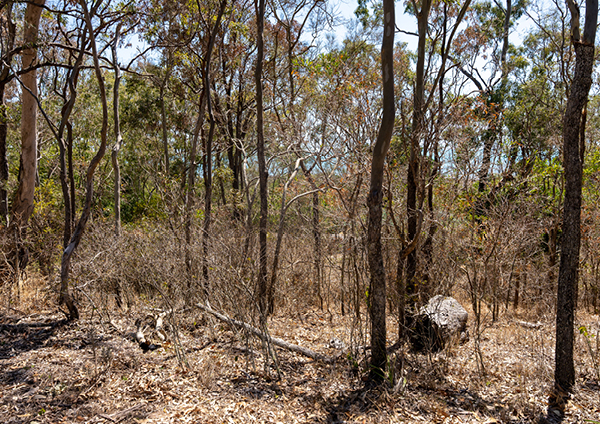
573 154
65 295
209 143
22 206
262 288
118 136
377 290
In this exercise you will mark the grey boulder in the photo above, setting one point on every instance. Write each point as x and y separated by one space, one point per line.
438 322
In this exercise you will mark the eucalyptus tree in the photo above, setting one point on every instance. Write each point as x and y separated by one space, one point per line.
490 25
23 201
233 96
262 291
573 155
377 288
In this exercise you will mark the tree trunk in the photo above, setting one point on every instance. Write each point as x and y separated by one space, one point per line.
22 207
65 295
564 374
163 116
191 182
118 137
67 181
377 290
165 137
262 289
415 151
5 70
208 152
316 231
3 160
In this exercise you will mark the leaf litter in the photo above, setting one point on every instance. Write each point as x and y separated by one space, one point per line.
88 372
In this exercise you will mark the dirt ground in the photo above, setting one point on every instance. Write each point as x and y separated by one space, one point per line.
91 371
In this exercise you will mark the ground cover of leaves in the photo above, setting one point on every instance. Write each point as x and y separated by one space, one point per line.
52 371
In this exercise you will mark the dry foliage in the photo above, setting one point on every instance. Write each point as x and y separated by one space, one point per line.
90 371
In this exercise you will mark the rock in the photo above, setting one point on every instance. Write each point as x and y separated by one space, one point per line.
442 319
336 343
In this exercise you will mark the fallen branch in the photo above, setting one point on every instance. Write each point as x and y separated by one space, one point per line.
120 416
277 342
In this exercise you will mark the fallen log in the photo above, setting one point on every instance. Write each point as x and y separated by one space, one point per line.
274 340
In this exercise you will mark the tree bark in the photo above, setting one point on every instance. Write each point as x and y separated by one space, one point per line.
66 147
564 373
3 159
377 290
262 288
22 207
415 150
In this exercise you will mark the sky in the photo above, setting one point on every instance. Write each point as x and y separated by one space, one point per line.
346 8
408 23
403 21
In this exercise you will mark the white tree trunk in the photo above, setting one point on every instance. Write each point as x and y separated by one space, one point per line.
23 202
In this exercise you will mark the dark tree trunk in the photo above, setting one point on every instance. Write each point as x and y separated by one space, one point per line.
415 150
208 152
70 172
66 146
262 289
163 118
191 183
377 291
564 374
316 231
3 160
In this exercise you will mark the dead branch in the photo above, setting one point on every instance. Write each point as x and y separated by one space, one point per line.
277 342
120 416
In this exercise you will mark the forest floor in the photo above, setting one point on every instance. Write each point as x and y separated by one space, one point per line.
52 371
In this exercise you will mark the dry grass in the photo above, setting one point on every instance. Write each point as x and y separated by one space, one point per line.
89 372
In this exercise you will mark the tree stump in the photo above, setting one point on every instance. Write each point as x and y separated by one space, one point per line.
441 320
